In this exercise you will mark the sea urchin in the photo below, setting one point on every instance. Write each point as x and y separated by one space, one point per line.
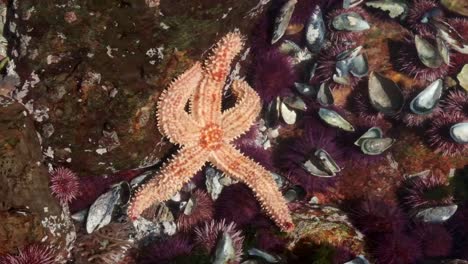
64 184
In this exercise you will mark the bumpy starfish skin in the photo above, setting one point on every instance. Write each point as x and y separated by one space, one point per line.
205 134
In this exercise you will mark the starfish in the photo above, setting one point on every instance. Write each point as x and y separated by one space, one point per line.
205 134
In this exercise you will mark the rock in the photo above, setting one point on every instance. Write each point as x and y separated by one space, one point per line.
457 6
323 225
28 211
463 77
93 71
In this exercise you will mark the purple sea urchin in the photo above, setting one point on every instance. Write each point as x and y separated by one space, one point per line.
165 251
375 217
419 16
397 248
456 103
436 241
201 210
364 109
326 68
268 241
31 254
316 136
208 236
237 204
64 184
439 134
427 191
274 75
407 61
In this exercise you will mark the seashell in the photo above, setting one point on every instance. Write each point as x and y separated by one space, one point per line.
443 50
428 99
279 180
324 95
394 8
288 114
422 174
376 146
427 53
298 54
100 212
305 89
457 6
315 31
384 94
358 260
263 255
373 132
212 182
350 21
294 193
321 164
295 102
293 29
351 3
313 68
430 14
225 252
341 79
347 61
188 207
437 214
334 119
80 216
459 132
162 214
462 77
282 21
359 66
125 193
273 113
451 36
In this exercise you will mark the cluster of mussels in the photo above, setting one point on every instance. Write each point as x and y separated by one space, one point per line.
346 86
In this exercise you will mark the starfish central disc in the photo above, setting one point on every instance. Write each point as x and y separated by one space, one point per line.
211 137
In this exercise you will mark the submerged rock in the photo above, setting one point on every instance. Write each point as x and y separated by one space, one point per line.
28 211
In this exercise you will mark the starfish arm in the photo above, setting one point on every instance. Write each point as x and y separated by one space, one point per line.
172 177
238 119
173 121
206 101
233 162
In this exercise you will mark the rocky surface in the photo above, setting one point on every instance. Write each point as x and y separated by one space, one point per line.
28 211
323 225
91 71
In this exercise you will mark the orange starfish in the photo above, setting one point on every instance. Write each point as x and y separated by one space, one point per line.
206 132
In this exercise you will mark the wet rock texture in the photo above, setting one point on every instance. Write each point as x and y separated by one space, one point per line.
28 212
317 225
92 71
